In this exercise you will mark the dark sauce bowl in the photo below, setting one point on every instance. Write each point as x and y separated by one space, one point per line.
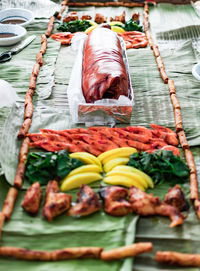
11 34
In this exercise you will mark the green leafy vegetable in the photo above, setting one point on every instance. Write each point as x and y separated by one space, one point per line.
161 165
74 26
132 26
44 166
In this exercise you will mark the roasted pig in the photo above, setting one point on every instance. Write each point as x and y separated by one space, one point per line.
115 200
176 198
147 205
55 202
87 202
103 73
32 199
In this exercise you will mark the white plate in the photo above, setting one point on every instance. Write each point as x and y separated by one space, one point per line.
17 13
15 29
196 71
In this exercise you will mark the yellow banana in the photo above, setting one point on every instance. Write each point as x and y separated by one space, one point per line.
132 175
115 162
146 177
116 153
122 180
77 180
85 169
116 23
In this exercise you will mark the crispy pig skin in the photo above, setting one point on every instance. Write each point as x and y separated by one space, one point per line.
147 205
115 203
32 199
176 198
104 73
87 203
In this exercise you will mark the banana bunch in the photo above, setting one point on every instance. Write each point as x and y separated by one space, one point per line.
85 174
113 158
128 176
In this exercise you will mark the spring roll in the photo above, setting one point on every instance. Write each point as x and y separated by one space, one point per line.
25 254
197 207
32 83
127 251
43 38
24 129
145 15
156 51
28 98
175 101
36 68
9 202
178 120
2 219
19 175
164 75
43 47
132 5
146 25
159 63
151 44
183 140
190 161
146 8
194 194
28 113
176 258
76 252
50 26
39 59
65 2
171 87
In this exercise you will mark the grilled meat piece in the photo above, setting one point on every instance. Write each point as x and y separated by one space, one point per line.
87 202
120 18
55 203
136 17
100 19
86 17
72 16
146 204
32 199
176 198
103 62
115 203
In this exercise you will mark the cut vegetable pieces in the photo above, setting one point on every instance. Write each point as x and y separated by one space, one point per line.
77 180
123 181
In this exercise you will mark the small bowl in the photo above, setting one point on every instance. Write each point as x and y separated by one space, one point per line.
17 30
196 71
17 14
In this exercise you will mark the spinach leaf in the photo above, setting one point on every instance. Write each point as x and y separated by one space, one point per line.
161 166
44 166
74 26
132 26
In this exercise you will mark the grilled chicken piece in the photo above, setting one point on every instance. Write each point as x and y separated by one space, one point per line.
55 203
115 203
120 18
86 17
72 16
100 19
146 204
87 202
32 199
176 198
136 16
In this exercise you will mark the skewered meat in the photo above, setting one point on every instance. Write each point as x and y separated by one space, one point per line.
55 203
120 18
87 202
104 71
115 203
32 199
100 19
146 204
176 198
127 251
86 17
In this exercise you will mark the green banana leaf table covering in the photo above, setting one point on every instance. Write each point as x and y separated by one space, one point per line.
177 31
